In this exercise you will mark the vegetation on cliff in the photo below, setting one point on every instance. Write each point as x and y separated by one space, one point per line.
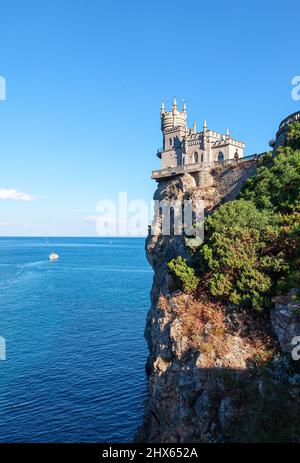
185 274
252 244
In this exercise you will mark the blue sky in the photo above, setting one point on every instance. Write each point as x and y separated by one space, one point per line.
84 84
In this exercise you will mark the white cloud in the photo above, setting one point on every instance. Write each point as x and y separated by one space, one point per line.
11 193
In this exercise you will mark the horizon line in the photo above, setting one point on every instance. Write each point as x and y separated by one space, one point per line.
69 236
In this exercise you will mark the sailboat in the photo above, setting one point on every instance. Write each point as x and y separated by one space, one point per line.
53 256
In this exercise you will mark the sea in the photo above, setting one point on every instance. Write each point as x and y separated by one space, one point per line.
73 333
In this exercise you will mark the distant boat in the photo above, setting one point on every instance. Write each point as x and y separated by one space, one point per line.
53 256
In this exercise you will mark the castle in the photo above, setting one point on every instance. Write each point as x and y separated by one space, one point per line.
183 146
198 153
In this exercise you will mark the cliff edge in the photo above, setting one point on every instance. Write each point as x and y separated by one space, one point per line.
218 371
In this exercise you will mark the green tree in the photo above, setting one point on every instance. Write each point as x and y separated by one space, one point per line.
185 275
242 253
278 186
293 136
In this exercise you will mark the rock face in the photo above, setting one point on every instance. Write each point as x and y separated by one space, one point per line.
286 321
215 374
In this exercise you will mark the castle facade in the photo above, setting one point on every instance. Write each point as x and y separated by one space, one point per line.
183 146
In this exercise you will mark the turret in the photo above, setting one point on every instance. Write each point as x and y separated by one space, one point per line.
173 118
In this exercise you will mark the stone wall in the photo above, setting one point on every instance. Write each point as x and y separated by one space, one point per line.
221 183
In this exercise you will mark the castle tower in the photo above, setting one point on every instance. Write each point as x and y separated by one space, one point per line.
173 118
173 127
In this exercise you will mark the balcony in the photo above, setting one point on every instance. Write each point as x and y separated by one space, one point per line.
197 167
171 171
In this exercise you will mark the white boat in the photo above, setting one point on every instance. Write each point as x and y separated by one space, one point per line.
53 256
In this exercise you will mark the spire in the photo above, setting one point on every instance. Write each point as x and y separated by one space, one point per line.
227 133
184 106
204 126
162 109
174 103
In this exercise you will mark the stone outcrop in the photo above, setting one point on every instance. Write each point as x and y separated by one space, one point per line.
285 319
215 374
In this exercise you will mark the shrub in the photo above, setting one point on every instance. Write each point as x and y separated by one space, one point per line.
293 136
278 186
185 275
242 253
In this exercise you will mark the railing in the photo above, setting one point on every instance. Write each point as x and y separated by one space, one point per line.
196 167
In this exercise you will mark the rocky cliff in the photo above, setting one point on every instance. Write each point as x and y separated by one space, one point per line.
216 374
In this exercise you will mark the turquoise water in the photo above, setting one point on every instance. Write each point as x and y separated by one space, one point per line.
75 367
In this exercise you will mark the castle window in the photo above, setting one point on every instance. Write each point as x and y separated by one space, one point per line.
196 157
202 157
171 141
220 156
236 155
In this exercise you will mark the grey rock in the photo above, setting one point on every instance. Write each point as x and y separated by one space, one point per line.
285 319
228 416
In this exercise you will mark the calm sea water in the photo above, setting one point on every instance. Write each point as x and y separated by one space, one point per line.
75 368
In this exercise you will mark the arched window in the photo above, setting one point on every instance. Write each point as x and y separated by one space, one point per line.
196 157
220 156
202 157
236 155
171 141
